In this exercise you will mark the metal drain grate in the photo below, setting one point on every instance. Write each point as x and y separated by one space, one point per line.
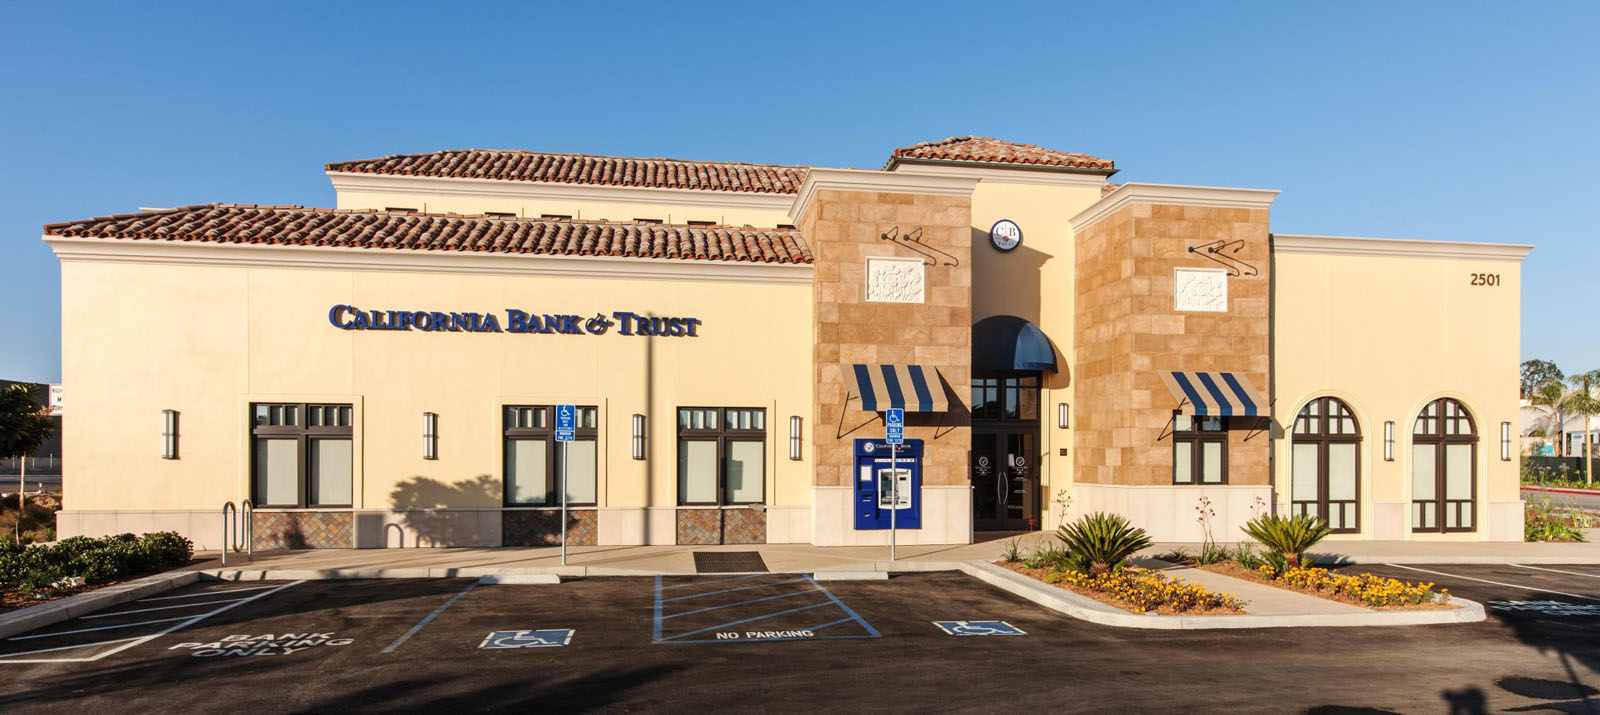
728 562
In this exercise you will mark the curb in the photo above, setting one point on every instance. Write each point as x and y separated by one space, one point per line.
44 614
1464 559
1088 609
1564 490
231 574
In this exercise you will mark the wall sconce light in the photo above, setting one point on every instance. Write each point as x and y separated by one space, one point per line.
794 437
638 436
1388 441
169 434
1505 441
430 435
1061 415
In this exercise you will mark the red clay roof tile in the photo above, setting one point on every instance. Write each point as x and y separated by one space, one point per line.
585 169
300 226
995 151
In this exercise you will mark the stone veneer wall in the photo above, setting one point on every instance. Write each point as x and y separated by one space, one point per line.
301 530
542 527
1128 331
703 527
844 228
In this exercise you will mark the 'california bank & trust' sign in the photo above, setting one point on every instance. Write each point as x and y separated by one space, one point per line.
350 317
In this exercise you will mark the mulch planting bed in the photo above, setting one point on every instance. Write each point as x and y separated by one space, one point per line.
1234 570
1040 574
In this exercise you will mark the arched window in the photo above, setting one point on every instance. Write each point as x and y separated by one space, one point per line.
1325 471
1444 468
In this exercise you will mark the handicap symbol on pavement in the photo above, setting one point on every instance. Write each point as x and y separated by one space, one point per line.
979 628
544 638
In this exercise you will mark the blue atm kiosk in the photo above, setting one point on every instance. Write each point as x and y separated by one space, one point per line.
873 488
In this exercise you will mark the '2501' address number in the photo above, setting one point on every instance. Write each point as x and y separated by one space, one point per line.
1486 279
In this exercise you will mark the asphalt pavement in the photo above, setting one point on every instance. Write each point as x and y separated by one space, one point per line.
785 643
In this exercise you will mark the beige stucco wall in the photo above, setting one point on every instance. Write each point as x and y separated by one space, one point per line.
1035 281
206 340
1388 327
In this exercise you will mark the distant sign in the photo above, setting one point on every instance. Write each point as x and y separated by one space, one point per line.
566 423
894 420
543 638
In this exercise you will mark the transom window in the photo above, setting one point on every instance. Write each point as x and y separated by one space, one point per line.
722 455
1324 467
1006 399
1199 450
533 459
1444 468
301 455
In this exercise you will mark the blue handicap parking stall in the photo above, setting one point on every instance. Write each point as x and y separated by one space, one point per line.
752 608
979 628
542 638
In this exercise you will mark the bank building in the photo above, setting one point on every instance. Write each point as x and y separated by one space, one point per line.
385 373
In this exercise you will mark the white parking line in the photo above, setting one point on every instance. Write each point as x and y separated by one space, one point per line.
1497 583
429 618
205 593
97 628
1569 573
161 608
136 640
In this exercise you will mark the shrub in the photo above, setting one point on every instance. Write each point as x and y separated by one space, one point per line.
45 569
1102 541
1372 591
1247 557
1544 521
1012 554
1149 591
1289 536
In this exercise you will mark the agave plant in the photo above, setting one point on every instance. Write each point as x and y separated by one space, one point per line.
1103 540
1287 535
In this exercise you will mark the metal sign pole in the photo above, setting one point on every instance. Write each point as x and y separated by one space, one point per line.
894 492
563 503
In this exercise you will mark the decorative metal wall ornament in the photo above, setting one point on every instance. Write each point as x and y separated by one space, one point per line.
1222 252
913 241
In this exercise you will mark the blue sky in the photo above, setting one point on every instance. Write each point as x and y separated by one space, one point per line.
1447 120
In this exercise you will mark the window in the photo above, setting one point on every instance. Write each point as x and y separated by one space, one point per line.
788 226
1324 471
722 456
649 221
1199 450
1444 468
1007 399
533 457
301 455
702 223
556 217
499 214
400 209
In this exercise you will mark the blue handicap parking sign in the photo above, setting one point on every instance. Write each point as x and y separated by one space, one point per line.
894 420
979 628
544 638
566 423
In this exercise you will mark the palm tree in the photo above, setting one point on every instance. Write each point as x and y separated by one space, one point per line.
1554 397
1585 403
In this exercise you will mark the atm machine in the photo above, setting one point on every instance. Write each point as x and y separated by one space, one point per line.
875 475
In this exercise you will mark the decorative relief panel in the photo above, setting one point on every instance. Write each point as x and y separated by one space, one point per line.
895 280
1200 289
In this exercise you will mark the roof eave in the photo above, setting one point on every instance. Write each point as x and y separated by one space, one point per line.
897 160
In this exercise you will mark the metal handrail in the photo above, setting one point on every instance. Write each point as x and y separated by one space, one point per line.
227 507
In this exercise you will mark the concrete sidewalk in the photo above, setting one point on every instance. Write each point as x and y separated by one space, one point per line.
642 560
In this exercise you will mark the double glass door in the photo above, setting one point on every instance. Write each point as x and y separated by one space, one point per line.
1005 479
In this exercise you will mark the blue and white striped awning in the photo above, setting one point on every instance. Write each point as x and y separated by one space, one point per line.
913 388
1216 394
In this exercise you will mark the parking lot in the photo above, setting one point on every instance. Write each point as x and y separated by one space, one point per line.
933 641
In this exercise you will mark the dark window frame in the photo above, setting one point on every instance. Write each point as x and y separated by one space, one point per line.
722 435
552 495
1197 437
303 434
1319 434
1434 434
992 409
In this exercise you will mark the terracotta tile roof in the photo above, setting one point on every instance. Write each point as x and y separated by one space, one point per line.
994 151
300 226
585 169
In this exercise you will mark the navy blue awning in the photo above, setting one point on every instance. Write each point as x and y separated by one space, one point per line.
913 388
1006 343
1215 394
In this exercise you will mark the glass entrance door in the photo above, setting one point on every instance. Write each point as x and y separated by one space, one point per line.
1005 480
